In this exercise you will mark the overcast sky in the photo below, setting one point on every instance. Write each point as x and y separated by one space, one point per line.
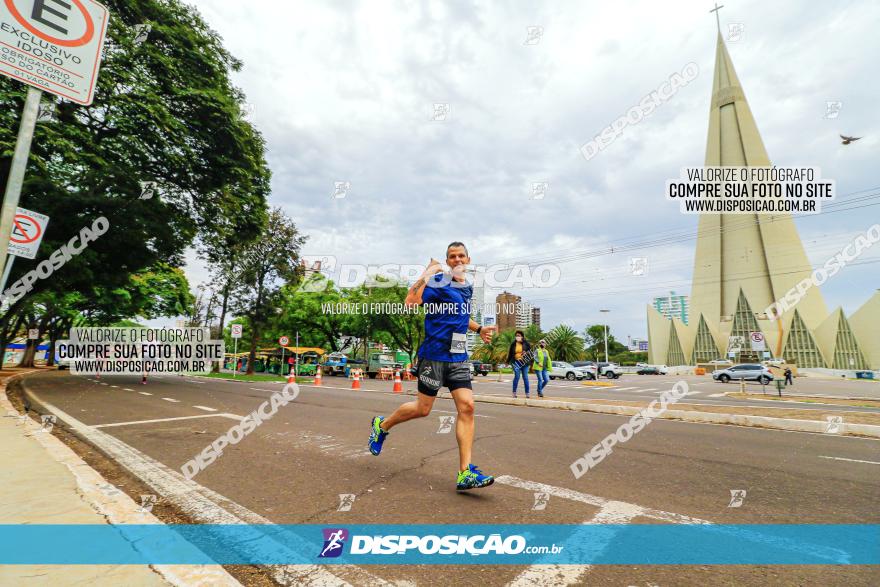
345 91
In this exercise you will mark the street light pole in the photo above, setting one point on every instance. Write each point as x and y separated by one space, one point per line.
606 334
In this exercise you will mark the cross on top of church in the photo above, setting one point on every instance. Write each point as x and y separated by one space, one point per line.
715 10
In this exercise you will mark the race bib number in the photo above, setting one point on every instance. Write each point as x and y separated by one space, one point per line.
459 343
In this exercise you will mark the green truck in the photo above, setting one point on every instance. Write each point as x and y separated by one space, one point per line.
379 361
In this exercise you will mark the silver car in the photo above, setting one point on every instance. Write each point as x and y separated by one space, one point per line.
744 372
563 370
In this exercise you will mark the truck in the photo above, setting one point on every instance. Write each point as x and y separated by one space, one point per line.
335 364
379 361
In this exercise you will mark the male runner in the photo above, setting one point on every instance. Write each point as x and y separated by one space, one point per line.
443 359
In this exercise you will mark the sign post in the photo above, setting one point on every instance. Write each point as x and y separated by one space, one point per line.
52 47
283 341
236 334
28 228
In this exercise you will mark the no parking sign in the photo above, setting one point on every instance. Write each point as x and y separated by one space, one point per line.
28 228
757 340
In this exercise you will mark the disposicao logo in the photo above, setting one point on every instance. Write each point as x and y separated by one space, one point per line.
334 542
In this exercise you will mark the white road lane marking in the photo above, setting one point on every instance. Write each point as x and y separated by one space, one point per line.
224 415
206 408
548 574
129 389
209 507
626 388
145 393
850 460
114 386
171 399
831 554
717 394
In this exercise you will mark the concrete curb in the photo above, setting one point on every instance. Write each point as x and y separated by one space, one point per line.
111 503
203 505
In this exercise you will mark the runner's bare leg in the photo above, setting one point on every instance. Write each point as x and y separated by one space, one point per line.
464 425
410 410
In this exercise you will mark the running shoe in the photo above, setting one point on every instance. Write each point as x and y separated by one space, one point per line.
473 478
377 436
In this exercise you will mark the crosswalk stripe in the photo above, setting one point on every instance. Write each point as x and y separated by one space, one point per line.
207 409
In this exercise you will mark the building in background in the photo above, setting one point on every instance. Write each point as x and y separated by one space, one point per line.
506 308
477 315
523 315
637 345
672 306
744 263
536 316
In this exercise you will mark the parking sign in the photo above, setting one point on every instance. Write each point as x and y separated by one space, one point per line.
757 340
54 46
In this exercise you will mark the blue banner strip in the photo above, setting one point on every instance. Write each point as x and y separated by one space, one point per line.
369 544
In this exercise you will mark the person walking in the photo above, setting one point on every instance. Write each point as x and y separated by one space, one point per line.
442 359
542 366
788 377
519 356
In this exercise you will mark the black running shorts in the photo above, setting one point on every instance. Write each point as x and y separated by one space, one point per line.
436 374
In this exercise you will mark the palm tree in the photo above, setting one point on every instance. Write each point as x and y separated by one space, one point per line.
533 334
565 344
500 345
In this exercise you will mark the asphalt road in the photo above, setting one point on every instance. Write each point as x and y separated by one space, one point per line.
702 390
294 467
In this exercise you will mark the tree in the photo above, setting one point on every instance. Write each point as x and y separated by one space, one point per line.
165 111
533 334
265 264
564 344
595 342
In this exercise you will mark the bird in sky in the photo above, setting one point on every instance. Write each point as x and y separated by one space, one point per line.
848 140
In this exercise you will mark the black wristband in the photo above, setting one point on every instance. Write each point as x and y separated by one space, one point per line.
479 328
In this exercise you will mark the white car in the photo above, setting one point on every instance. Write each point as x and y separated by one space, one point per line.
563 370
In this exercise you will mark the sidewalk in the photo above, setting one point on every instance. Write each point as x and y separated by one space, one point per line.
45 482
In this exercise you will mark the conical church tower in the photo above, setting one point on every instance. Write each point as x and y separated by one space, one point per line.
743 263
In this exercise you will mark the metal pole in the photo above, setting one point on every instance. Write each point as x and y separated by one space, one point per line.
606 334
234 357
281 369
296 360
18 167
6 271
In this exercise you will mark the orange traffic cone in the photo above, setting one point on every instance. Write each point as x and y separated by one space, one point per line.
144 379
356 382
317 381
398 386
291 378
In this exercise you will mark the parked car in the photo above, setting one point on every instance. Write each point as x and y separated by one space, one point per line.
610 370
563 370
589 366
646 370
480 367
721 362
746 372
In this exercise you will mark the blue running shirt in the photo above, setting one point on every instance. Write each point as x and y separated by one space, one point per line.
453 317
